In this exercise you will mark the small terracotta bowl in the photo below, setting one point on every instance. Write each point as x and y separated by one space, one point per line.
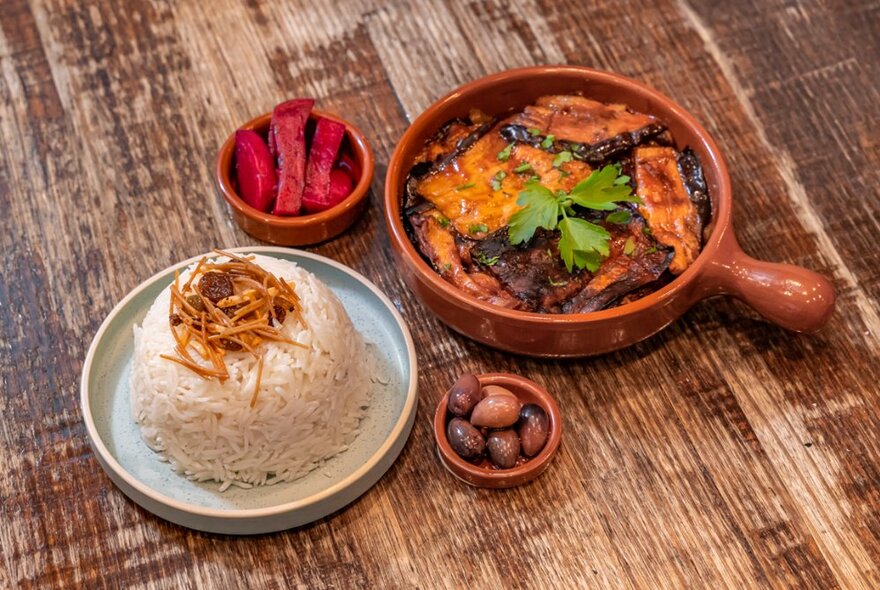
789 296
483 474
304 229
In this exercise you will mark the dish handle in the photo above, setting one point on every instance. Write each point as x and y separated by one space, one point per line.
789 296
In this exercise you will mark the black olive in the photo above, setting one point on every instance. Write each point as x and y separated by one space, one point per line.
503 448
464 395
464 438
534 428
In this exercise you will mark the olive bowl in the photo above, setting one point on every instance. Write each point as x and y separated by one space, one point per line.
482 474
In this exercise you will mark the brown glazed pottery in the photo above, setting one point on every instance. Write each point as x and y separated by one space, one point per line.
483 474
303 229
789 296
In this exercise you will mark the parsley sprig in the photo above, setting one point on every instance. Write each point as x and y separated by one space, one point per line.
582 244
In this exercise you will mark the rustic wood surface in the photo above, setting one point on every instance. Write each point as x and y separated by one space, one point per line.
721 453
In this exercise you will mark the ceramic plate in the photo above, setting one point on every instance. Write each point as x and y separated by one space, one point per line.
150 482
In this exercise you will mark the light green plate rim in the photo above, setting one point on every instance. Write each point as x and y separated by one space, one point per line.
271 518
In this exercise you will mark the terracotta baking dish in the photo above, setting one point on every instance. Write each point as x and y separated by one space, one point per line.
789 296
303 229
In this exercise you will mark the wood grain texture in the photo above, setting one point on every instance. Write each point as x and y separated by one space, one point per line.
721 453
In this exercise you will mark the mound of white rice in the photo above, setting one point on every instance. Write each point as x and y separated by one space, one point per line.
309 406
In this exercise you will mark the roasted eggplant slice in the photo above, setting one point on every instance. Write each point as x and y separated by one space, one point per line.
452 139
619 275
670 213
533 272
695 183
635 260
592 130
438 244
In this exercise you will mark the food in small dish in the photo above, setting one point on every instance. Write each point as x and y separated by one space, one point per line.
299 167
568 205
490 426
287 141
790 296
255 170
499 457
248 371
321 218
534 425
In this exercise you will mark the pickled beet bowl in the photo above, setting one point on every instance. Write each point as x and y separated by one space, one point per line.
306 229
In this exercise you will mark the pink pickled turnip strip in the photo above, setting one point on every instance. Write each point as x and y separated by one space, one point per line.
322 154
254 170
341 184
270 137
348 164
340 187
289 129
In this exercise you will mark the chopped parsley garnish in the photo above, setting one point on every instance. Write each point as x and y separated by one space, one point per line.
534 131
534 178
582 244
504 154
621 217
477 228
561 158
548 142
630 246
442 220
465 186
486 261
496 180
523 168
557 283
447 266
651 250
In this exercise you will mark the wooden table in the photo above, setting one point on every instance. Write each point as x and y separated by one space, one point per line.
722 452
